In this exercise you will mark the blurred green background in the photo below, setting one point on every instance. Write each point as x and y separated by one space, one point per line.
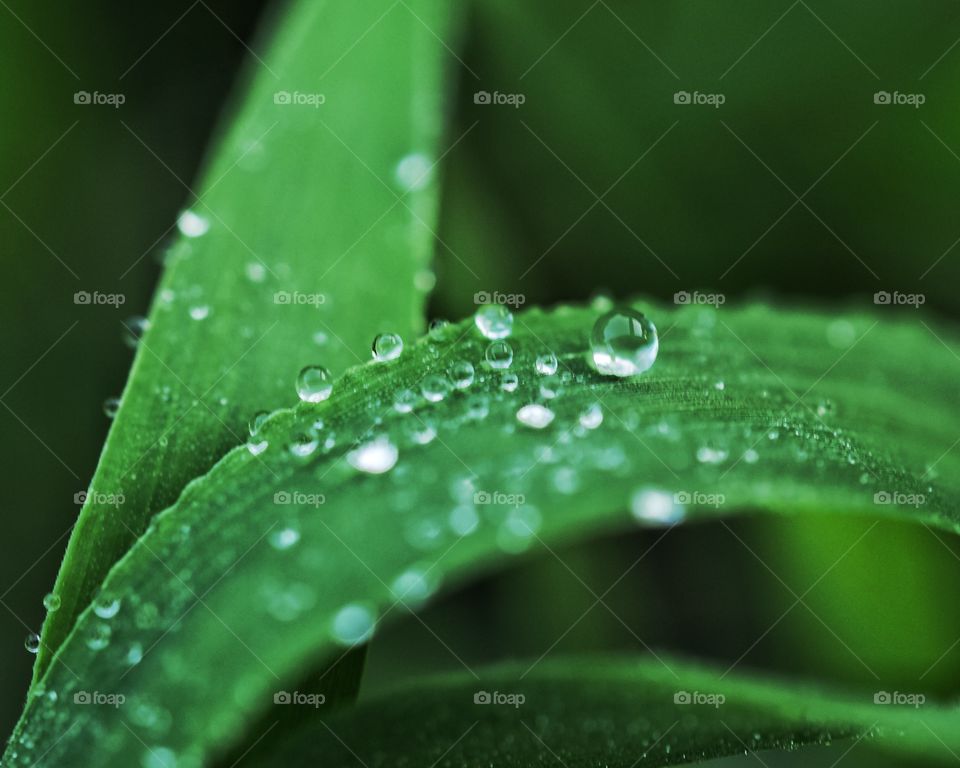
599 180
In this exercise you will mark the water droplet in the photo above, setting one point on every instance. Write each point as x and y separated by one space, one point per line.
414 172
375 457
284 538
435 387
387 346
413 586
51 601
841 334
405 401
320 338
655 507
708 454
624 343
535 415
200 311
494 321
32 642
509 382
110 407
478 407
256 447
751 456
566 480
499 355
314 384
133 330
547 364
257 421
256 272
353 624
99 637
439 328
464 519
135 654
192 224
549 387
719 386
425 280
825 408
592 417
461 373
159 757
519 529
304 444
106 606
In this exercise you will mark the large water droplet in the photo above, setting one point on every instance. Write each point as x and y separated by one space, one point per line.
494 321
353 624
535 415
375 457
314 384
192 224
387 346
499 355
624 343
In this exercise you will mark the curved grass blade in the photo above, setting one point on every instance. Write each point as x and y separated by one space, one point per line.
307 552
306 217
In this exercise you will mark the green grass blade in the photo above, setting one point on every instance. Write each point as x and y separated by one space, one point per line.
267 563
309 227
619 712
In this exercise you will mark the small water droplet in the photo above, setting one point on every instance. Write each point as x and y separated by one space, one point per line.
499 355
51 601
413 586
32 642
133 330
751 456
509 382
257 421
375 457
256 447
435 387
462 373
592 417
494 321
655 507
719 386
314 384
708 454
405 401
518 529
106 606
320 338
159 757
192 224
99 637
464 519
256 272
110 407
438 329
353 624
200 311
387 346
414 172
304 444
547 364
624 343
535 415
135 654
284 538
